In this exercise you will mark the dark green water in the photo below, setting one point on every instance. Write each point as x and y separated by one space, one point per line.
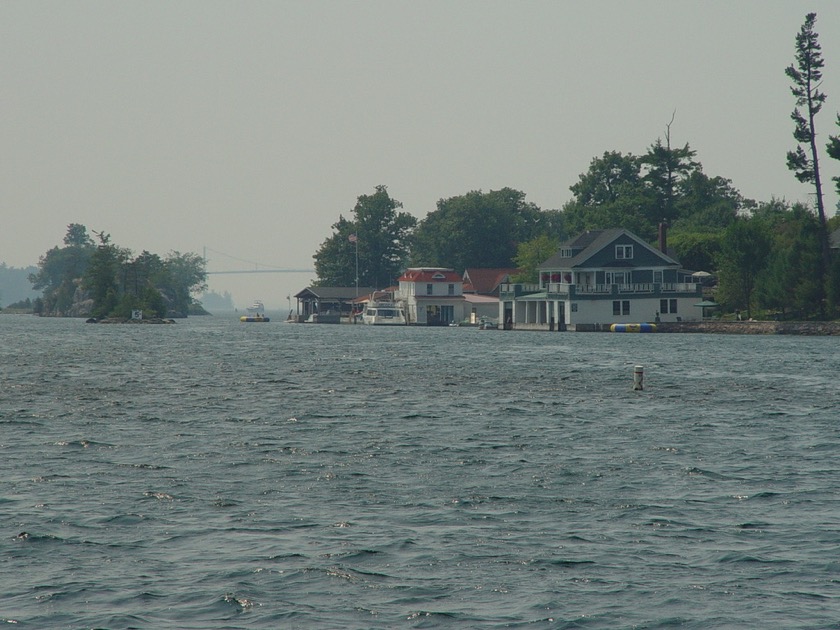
213 474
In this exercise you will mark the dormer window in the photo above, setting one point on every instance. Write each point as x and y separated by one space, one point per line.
623 252
566 252
438 276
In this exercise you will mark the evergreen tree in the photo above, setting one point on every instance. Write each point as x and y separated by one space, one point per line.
100 279
806 75
791 280
745 248
665 168
833 150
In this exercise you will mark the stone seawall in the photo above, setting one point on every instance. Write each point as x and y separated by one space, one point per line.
751 328
716 327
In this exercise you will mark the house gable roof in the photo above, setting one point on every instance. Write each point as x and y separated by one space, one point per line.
585 247
429 274
332 293
486 281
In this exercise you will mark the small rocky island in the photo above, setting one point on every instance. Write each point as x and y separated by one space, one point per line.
129 320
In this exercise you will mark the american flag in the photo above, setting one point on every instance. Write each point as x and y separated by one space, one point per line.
352 238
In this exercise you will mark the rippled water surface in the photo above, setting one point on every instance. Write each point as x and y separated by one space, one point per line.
213 474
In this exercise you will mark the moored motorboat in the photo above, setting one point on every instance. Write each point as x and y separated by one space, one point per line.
383 314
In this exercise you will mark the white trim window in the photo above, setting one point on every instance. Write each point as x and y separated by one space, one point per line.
668 306
623 252
617 277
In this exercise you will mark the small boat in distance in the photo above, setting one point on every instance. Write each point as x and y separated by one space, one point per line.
384 314
255 313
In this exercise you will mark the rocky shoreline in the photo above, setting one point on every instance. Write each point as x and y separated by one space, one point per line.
128 320
752 328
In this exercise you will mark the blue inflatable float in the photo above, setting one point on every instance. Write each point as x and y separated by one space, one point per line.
633 328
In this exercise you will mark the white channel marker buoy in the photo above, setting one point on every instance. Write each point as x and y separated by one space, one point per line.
638 378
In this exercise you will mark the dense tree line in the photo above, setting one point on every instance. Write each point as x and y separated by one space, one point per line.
14 285
100 279
769 255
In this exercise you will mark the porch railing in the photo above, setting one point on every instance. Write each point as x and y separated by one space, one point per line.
565 288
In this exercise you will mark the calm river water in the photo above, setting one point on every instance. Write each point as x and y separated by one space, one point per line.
213 474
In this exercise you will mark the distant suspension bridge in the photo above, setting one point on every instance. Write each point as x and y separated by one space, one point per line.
258 267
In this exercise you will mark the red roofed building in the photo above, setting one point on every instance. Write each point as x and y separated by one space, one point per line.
486 281
433 296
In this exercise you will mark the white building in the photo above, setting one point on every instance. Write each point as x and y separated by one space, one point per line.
599 278
432 296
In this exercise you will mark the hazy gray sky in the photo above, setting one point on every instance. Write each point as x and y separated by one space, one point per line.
249 127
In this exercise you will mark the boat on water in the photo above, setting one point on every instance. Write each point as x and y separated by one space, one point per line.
485 323
255 313
384 314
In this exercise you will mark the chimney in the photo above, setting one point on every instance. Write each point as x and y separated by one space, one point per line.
663 237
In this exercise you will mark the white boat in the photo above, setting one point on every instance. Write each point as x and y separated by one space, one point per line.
485 323
255 313
383 314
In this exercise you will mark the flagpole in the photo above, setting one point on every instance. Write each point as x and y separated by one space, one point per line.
357 265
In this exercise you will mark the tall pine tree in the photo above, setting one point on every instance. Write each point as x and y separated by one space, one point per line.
806 75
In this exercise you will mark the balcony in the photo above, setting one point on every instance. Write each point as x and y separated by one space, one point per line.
510 291
564 290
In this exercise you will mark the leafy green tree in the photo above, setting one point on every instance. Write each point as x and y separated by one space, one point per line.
806 76
706 203
61 269
771 212
638 193
335 260
480 229
607 179
143 272
382 235
697 250
628 212
137 282
177 280
532 254
745 247
378 239
611 194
